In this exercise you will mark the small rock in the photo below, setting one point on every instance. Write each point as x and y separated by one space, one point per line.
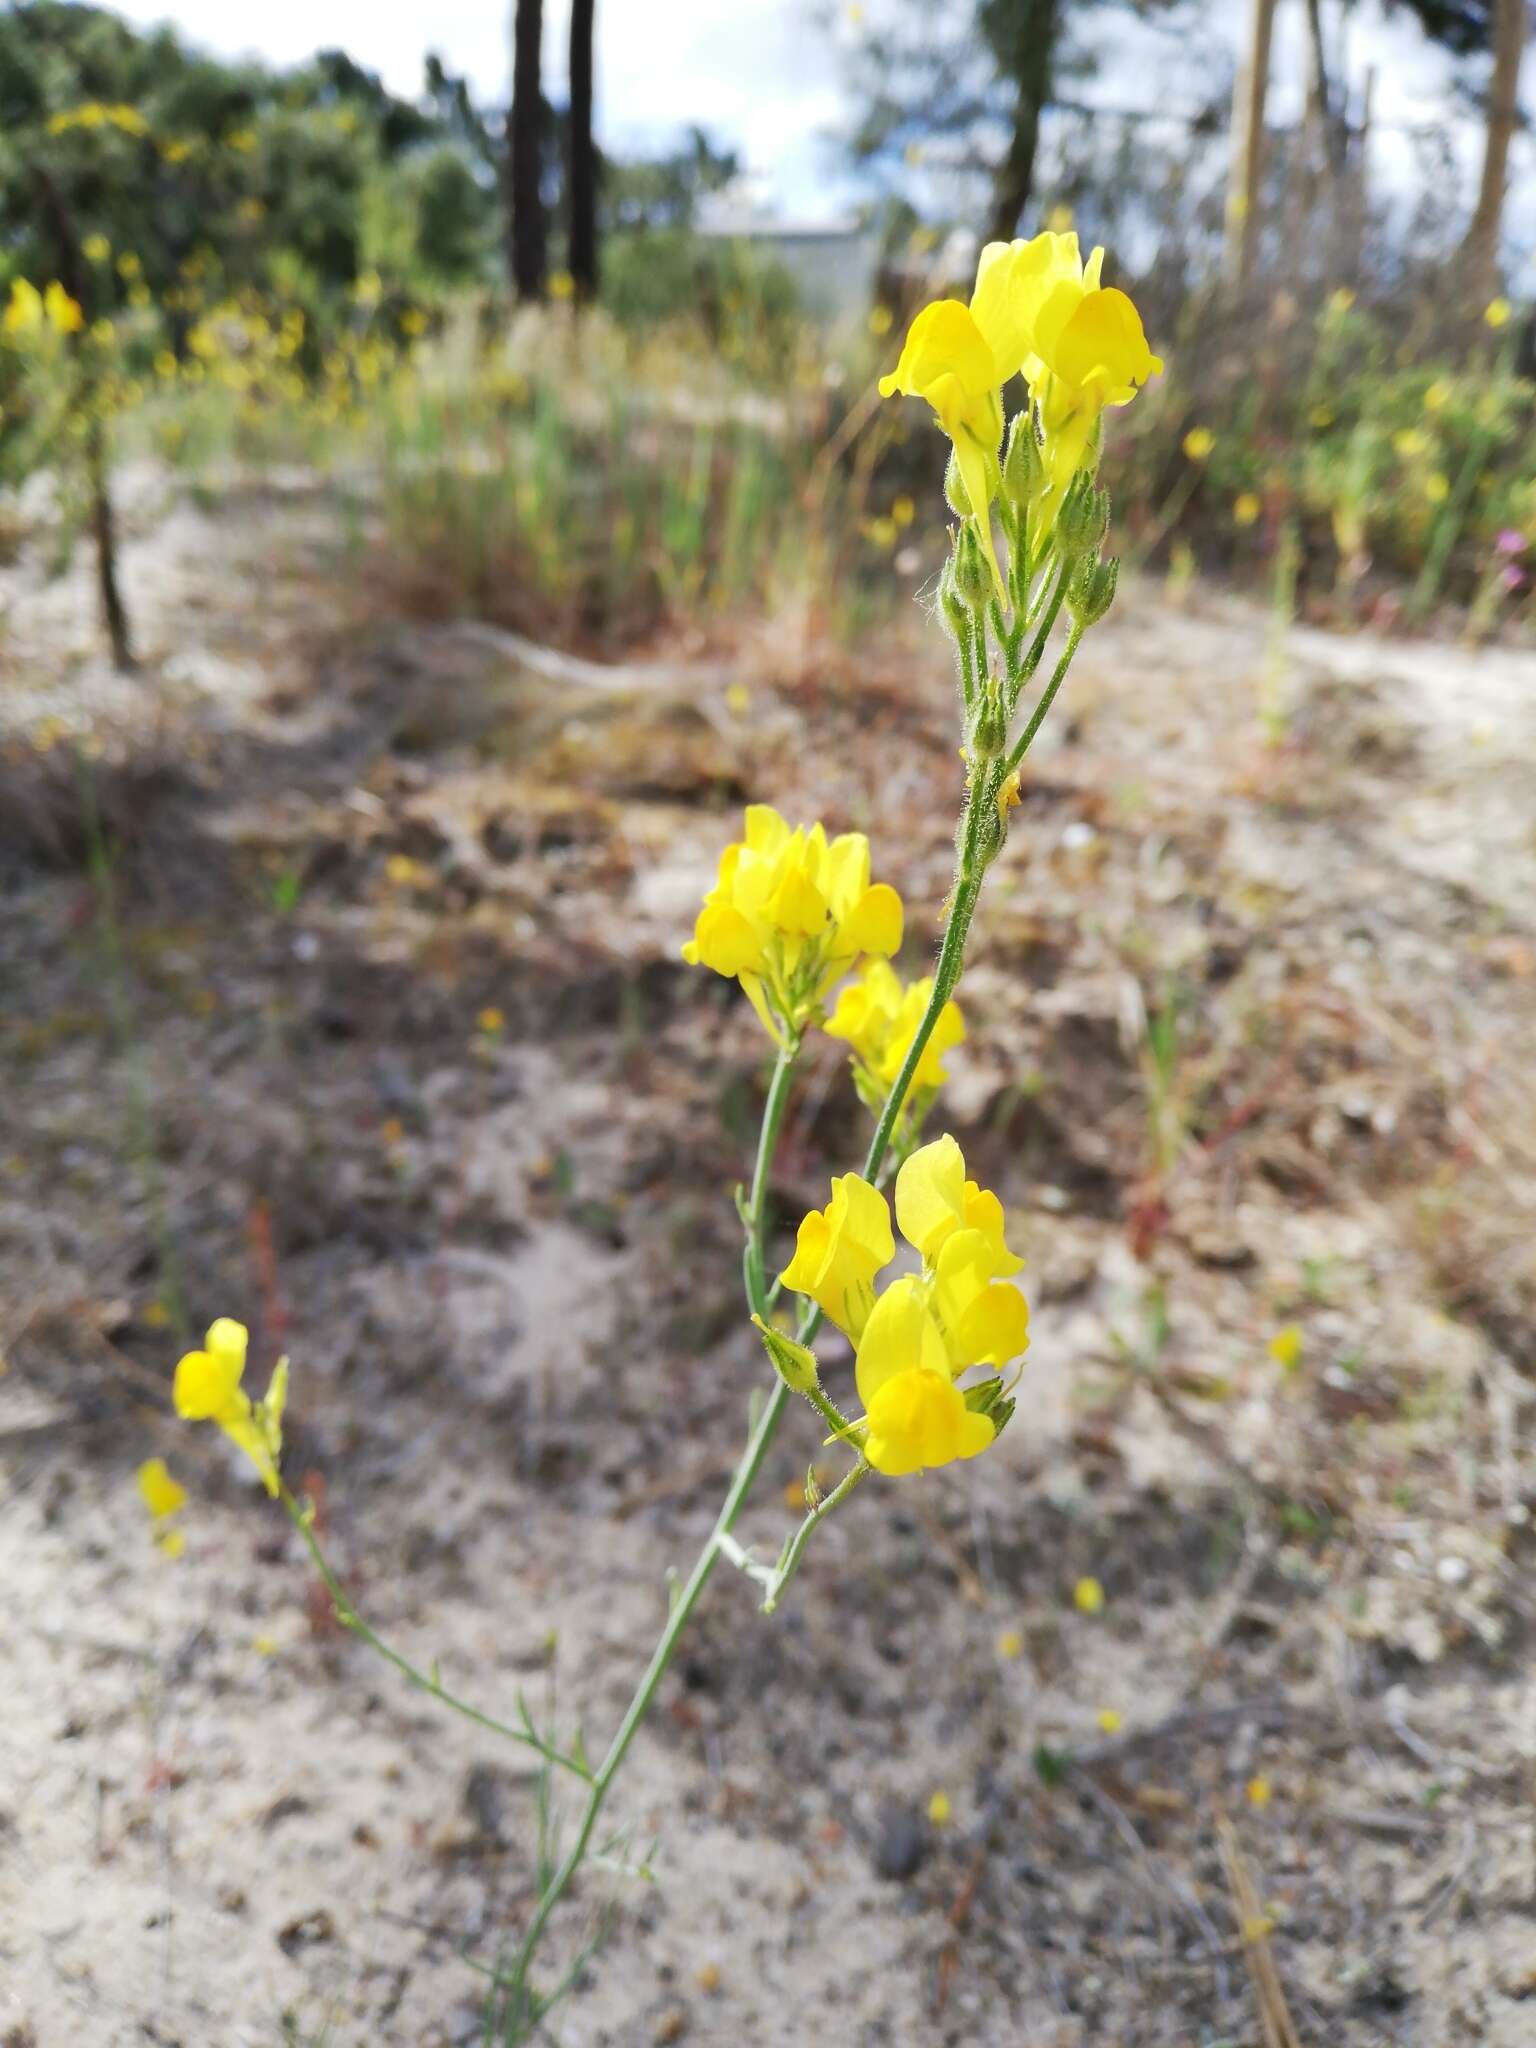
901 1842
307 1931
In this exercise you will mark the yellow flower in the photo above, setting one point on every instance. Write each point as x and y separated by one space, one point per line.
925 1329
160 1493
64 314
562 285
1088 1596
25 309
840 1249
1088 348
1340 301
934 1200
789 914
1285 1347
1247 507
1437 396
96 248
951 359
1010 1644
1496 313
1260 1792
1198 443
880 318
903 510
207 1389
940 1809
491 1021
917 1417
1409 442
1110 1720
1437 488
878 1018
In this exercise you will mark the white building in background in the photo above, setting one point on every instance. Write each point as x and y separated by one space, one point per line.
832 261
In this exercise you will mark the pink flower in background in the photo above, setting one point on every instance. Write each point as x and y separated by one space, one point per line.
1511 542
1512 577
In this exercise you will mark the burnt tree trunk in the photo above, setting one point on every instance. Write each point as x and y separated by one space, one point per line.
581 170
528 242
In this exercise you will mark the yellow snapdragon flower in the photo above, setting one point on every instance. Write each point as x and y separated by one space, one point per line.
914 1341
916 1415
840 1249
934 1199
208 1389
163 1499
790 913
1088 349
878 1018
1037 308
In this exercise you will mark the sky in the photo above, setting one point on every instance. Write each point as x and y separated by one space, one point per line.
762 76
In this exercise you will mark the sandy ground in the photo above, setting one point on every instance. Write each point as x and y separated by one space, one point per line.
243 1074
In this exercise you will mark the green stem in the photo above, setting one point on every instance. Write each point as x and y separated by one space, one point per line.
946 974
741 1485
351 1620
1037 716
753 1276
792 1555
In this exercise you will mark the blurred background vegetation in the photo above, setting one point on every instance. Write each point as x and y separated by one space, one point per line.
599 395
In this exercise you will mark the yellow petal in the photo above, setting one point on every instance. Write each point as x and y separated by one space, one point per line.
930 1195
875 923
899 1337
978 468
724 940
918 1419
159 1492
945 359
206 1384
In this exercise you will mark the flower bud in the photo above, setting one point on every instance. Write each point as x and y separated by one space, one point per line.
957 613
1092 591
1024 478
989 725
795 1366
954 490
1083 519
973 579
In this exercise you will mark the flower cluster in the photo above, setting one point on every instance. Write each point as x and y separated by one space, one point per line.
913 1342
878 1018
30 309
207 1389
1040 310
790 913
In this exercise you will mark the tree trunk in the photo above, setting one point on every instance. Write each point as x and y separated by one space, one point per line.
528 248
1480 251
1027 47
1245 182
581 170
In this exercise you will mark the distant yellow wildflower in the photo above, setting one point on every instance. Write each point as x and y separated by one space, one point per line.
1496 313
1285 1347
1246 508
1198 443
1088 1596
163 1498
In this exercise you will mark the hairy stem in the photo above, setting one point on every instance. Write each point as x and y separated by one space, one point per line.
792 1555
